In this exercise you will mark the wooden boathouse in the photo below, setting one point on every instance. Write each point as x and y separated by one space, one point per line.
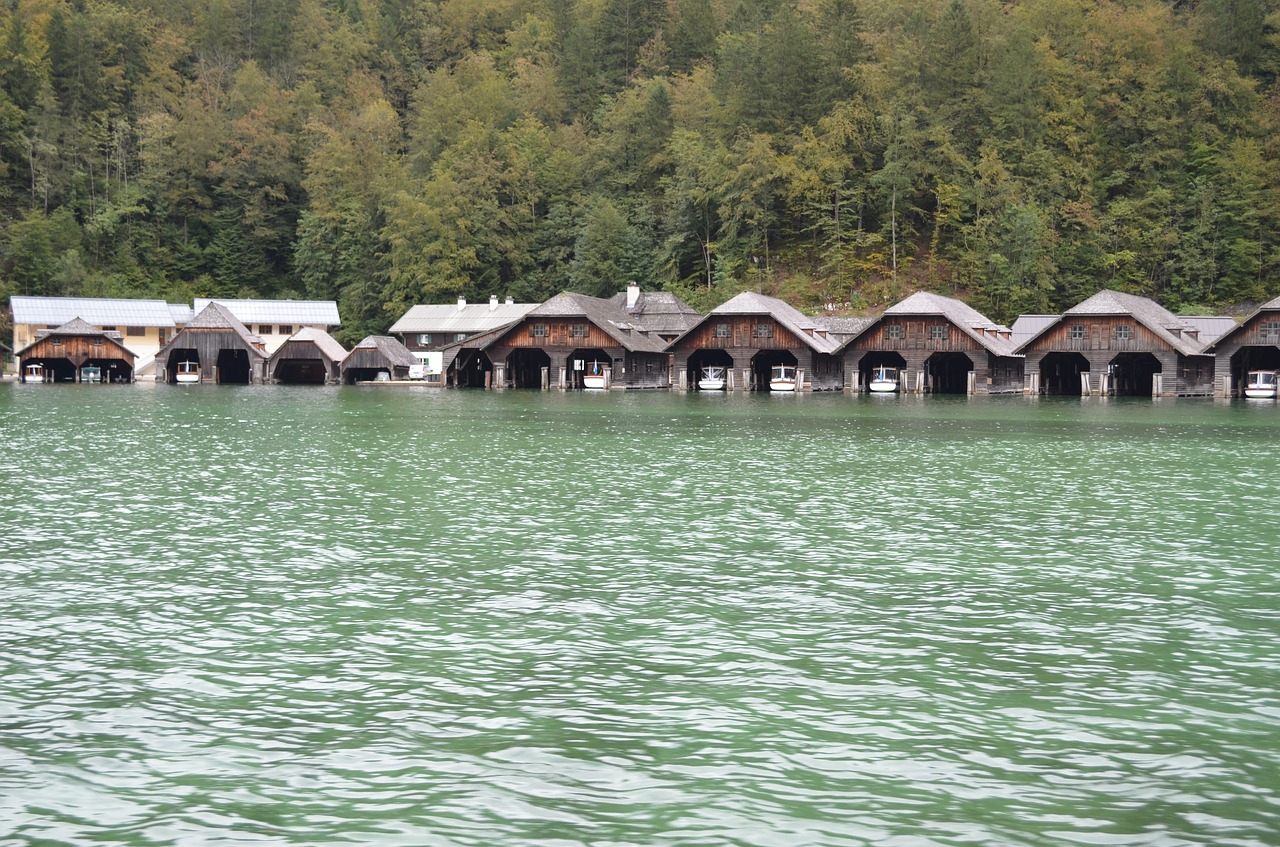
939 345
222 347
748 336
308 357
1252 345
77 351
563 342
1118 344
377 358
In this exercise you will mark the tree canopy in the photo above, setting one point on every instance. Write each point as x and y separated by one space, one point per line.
382 153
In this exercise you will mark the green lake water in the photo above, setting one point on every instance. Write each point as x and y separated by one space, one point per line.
384 616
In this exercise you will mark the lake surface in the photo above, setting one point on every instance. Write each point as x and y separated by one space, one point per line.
305 616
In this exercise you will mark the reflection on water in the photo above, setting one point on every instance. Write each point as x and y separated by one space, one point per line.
378 616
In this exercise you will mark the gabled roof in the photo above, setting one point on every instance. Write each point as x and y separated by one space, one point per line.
460 317
326 343
612 318
1167 326
391 349
313 312
77 326
216 316
811 331
658 311
991 335
1222 338
55 311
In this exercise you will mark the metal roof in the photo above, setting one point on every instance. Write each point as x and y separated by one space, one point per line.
460 317
312 312
55 311
1027 327
1211 327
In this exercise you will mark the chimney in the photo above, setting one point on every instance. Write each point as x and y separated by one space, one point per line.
510 302
462 303
633 295
493 302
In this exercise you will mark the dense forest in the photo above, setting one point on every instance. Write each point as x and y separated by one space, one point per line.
837 153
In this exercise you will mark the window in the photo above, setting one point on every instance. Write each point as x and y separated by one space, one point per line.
1123 332
894 331
286 329
722 331
424 338
264 329
938 333
104 329
135 330
1076 332
538 330
764 331
459 336
578 331
1270 328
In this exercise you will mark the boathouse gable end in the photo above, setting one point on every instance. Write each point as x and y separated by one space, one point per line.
223 347
939 345
1117 343
1252 345
64 351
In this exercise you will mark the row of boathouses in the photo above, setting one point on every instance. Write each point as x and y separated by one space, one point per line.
1112 343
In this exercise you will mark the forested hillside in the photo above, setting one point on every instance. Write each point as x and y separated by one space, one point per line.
391 152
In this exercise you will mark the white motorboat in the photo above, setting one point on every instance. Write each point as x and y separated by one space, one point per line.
188 373
1261 384
783 378
594 376
711 378
91 373
884 380
33 372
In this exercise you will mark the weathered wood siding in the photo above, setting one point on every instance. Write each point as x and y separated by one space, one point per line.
77 349
208 343
917 335
1261 332
559 334
741 334
304 351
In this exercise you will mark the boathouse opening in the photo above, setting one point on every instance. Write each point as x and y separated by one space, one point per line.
233 366
108 370
1060 373
55 370
177 356
301 372
588 362
1265 358
1131 374
948 373
700 359
875 360
762 367
471 369
525 367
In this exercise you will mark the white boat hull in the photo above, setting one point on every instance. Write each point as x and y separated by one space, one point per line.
711 385
187 379
782 385
1260 393
593 382
35 380
882 387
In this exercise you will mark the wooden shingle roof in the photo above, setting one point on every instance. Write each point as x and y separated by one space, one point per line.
389 348
1164 324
